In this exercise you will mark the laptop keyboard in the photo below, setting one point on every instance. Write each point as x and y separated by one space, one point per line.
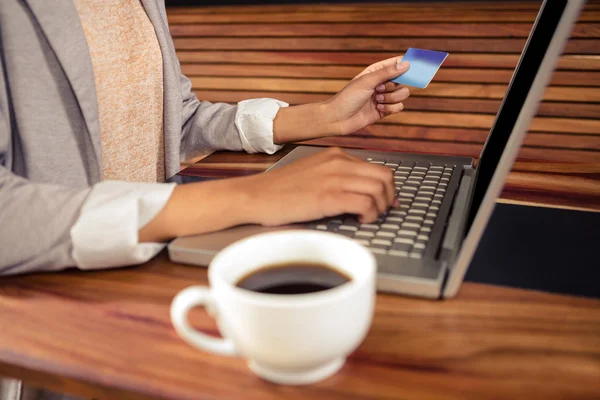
403 231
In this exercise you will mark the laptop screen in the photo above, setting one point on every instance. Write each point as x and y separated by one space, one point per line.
518 89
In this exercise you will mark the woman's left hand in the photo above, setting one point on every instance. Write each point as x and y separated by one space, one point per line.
369 97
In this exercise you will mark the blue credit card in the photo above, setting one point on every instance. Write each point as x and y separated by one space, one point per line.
424 64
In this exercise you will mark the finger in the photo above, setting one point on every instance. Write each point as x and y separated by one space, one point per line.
394 97
388 87
373 171
373 79
341 162
366 186
390 108
378 65
352 203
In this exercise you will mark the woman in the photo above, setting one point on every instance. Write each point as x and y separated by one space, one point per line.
94 112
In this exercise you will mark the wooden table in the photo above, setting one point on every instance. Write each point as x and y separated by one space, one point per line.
107 335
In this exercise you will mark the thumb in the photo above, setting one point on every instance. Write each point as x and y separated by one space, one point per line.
382 75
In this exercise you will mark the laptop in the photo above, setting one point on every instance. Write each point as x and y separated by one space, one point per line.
424 246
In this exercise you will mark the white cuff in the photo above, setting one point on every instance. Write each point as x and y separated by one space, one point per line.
254 121
106 233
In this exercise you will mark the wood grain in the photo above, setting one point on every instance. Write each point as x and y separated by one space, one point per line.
347 72
391 29
484 106
471 60
302 53
107 335
469 45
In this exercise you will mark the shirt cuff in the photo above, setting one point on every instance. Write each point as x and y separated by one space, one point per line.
106 233
254 121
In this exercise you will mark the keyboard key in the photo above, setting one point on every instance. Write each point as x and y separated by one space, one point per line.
423 237
363 242
436 202
423 198
382 242
429 182
436 168
348 228
417 173
394 219
404 232
428 187
415 255
369 227
398 253
390 226
416 211
407 225
419 246
390 164
420 168
434 173
443 185
425 193
405 206
431 215
384 234
397 212
322 227
426 229
428 222
377 162
405 240
406 194
410 188
365 234
445 180
378 250
415 218
434 208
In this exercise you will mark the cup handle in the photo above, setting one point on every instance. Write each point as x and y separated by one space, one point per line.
185 300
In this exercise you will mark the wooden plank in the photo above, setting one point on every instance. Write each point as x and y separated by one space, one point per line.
474 60
359 29
453 90
438 15
464 120
454 45
489 6
482 106
479 136
559 78
459 149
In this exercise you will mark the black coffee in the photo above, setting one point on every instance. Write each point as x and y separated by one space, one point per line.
293 278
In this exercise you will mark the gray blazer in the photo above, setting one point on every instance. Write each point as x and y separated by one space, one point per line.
50 134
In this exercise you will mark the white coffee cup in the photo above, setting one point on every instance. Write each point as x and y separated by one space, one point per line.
288 339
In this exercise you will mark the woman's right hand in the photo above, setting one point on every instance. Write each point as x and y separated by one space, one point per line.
329 183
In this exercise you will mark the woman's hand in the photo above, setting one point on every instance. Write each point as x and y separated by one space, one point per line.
329 183
369 97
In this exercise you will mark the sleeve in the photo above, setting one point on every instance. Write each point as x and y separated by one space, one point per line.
46 227
209 126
